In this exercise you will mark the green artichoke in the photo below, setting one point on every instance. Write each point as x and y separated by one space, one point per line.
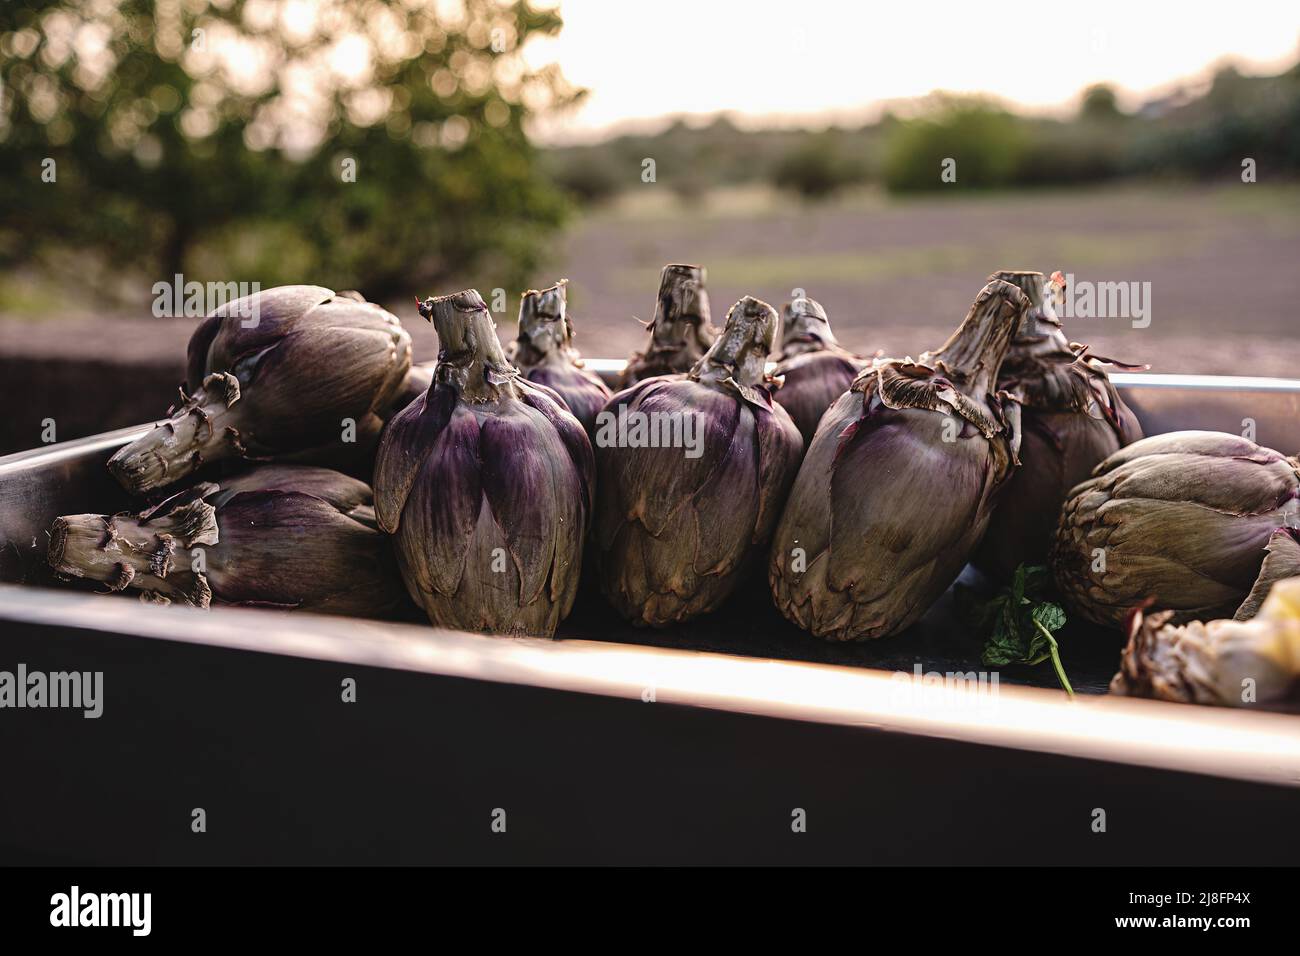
485 483
1071 418
280 536
681 330
1182 520
544 352
900 482
693 471
814 370
273 375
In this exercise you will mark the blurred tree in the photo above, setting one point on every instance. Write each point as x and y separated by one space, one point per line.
819 166
375 144
985 141
1099 103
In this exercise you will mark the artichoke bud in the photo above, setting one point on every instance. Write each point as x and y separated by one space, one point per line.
1072 417
1253 663
272 375
899 483
681 330
693 470
485 483
812 367
284 536
1183 520
1281 561
544 352
415 384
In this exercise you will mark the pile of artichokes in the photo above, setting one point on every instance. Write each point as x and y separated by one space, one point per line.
864 487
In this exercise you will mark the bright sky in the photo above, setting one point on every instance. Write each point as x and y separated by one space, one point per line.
818 60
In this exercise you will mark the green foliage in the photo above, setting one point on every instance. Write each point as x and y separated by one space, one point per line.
986 141
198 133
1099 104
1019 622
819 166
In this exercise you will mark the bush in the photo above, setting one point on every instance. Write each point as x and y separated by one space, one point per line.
986 142
818 167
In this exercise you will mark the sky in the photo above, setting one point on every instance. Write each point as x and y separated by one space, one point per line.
809 62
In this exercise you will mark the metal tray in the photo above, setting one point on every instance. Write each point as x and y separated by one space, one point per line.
567 720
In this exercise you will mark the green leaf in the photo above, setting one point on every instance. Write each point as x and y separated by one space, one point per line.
1018 622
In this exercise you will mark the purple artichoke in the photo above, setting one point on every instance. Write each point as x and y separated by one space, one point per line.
485 482
693 472
680 331
273 375
416 383
900 482
1182 520
544 352
815 370
1071 418
280 536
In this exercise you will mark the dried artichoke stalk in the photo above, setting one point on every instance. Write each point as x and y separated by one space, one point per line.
812 368
1072 418
282 536
899 483
1253 663
140 551
1182 520
281 384
678 526
681 330
485 483
544 352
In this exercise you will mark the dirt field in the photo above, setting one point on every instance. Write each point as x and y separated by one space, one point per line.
1223 266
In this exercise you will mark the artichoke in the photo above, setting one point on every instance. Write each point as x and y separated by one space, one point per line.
485 482
1071 418
814 369
900 481
1281 561
416 383
1253 663
275 385
281 536
544 352
680 331
1182 520
693 471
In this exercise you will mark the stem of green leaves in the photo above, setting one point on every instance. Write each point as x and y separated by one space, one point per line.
1056 659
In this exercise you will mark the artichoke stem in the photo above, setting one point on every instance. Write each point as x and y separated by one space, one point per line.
740 352
201 431
545 335
682 303
126 551
975 351
805 328
1030 283
470 357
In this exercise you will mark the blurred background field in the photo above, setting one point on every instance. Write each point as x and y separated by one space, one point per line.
407 147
